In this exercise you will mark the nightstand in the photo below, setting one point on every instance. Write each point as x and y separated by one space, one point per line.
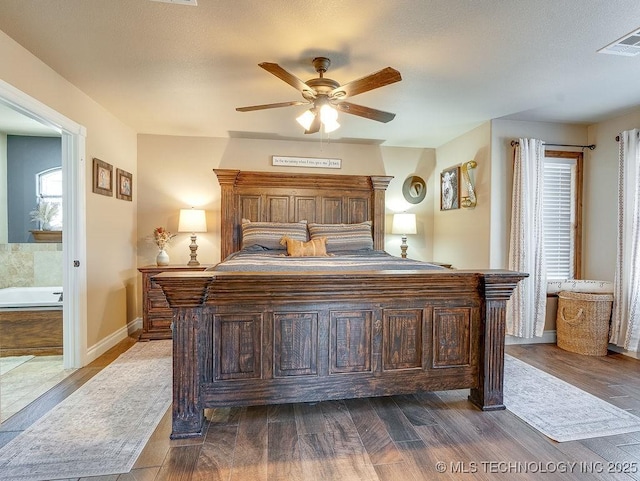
156 313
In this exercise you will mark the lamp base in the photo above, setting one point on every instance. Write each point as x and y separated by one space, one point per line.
403 247
193 247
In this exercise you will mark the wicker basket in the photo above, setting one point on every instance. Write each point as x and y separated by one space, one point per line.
582 322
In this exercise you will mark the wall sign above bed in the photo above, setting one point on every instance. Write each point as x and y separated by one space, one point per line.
306 162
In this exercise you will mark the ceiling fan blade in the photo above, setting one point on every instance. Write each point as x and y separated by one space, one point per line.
270 106
375 80
291 79
367 112
315 125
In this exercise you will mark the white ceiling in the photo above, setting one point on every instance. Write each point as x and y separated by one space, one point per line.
172 69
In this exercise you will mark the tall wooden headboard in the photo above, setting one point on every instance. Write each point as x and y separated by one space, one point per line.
286 197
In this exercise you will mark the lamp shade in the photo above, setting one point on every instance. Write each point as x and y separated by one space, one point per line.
192 220
404 224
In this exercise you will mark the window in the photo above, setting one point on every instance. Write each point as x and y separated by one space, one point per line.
562 208
49 189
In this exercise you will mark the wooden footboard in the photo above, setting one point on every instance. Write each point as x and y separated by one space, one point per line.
262 338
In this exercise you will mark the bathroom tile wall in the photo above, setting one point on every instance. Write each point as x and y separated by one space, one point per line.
30 265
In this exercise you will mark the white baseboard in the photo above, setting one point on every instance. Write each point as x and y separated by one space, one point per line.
134 325
548 337
621 350
97 350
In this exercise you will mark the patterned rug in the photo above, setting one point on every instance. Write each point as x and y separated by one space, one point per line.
11 362
559 410
102 427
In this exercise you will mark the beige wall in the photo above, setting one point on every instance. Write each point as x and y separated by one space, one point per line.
111 223
600 196
176 173
461 236
401 163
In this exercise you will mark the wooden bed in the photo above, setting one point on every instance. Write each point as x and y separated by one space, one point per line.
246 338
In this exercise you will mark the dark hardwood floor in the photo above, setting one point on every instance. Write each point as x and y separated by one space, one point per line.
402 438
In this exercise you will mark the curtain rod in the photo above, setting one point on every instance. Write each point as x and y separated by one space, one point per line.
590 147
618 137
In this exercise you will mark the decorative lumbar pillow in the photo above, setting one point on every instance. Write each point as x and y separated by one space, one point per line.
268 234
313 248
344 237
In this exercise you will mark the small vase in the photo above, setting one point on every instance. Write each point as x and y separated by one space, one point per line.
162 259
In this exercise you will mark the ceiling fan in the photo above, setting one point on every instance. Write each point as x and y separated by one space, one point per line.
325 95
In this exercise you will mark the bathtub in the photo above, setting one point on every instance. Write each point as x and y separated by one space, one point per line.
30 297
30 321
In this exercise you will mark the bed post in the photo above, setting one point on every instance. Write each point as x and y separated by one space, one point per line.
498 287
229 241
379 184
191 339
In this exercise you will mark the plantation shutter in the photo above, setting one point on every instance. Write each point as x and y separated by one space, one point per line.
559 217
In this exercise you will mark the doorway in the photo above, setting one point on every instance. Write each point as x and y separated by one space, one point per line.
73 230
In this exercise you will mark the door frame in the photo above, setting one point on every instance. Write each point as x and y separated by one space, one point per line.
74 277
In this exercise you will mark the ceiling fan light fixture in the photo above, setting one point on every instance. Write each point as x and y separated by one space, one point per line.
329 118
324 94
328 114
306 119
330 126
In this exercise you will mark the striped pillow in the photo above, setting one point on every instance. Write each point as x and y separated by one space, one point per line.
344 237
269 234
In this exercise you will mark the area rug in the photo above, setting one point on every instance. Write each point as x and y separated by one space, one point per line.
559 410
102 427
11 362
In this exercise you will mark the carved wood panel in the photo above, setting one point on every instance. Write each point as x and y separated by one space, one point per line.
251 208
451 337
402 339
332 210
305 209
295 343
358 210
277 208
238 346
351 341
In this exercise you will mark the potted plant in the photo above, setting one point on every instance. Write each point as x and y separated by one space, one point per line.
44 214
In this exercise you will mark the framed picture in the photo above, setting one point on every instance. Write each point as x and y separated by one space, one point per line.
124 185
102 177
450 188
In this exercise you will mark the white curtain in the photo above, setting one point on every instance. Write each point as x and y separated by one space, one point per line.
527 307
625 325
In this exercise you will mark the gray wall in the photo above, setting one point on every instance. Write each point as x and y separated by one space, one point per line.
26 156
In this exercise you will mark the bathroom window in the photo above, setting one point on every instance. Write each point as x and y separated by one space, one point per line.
49 189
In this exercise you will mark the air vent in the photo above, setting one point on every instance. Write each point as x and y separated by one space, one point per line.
193 3
627 46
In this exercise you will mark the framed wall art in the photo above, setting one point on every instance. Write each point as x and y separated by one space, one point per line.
124 185
102 177
450 188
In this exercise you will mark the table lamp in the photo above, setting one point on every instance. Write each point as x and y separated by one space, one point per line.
192 220
404 224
